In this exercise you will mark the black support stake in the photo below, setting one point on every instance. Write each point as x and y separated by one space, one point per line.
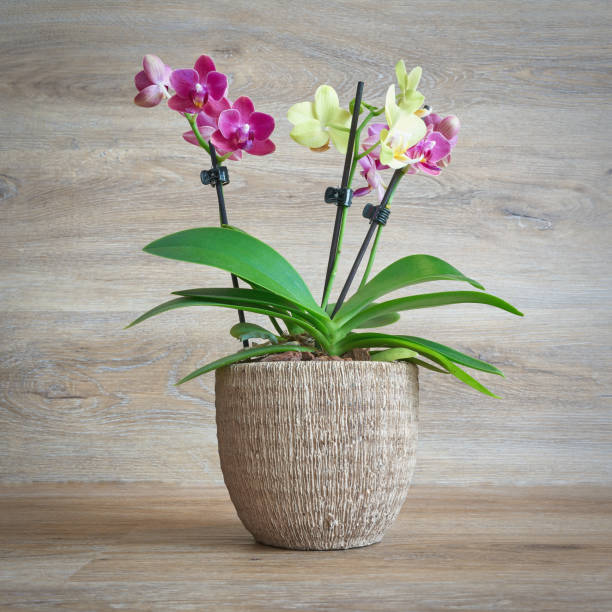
217 177
378 215
346 201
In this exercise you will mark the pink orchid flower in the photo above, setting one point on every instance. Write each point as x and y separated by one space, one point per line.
374 131
370 170
243 129
194 88
152 82
207 123
435 149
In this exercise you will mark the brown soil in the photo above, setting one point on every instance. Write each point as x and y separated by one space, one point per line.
361 354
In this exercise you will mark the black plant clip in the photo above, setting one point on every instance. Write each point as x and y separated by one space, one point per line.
216 175
340 196
376 214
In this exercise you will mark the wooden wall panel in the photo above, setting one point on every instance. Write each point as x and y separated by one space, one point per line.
87 178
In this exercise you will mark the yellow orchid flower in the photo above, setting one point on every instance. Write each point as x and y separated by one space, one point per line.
409 98
319 121
405 130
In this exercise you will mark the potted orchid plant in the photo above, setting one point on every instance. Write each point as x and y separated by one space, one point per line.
316 414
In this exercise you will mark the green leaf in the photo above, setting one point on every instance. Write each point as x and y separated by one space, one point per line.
372 340
165 307
244 331
203 301
241 254
381 321
256 297
426 300
404 272
242 355
456 356
427 365
393 354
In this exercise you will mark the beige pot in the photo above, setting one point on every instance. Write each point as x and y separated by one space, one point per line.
317 455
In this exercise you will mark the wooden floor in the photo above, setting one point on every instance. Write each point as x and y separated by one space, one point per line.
164 547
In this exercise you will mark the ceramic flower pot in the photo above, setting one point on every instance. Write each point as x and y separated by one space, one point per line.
317 455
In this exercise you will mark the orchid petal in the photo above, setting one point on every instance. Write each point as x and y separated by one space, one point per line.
412 102
391 108
310 134
245 107
326 104
149 96
203 120
214 108
413 78
203 66
182 105
429 168
411 128
362 191
154 68
401 74
222 144
262 125
302 111
229 122
261 147
340 139
190 137
449 127
206 132
141 80
216 83
441 148
184 81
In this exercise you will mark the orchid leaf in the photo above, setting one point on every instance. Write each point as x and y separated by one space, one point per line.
183 302
245 331
381 321
427 365
427 300
404 272
241 254
393 354
258 351
374 340
456 356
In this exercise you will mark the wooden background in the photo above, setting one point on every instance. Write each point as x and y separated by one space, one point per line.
87 179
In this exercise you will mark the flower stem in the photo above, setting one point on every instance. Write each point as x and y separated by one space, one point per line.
194 128
372 257
332 274
334 267
368 269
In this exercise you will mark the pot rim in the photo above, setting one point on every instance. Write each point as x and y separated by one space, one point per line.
332 363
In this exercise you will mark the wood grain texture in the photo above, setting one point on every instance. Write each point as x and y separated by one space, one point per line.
86 179
160 547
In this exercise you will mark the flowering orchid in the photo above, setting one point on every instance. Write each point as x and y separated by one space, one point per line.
410 99
316 123
434 150
370 170
411 138
405 130
241 128
152 82
195 87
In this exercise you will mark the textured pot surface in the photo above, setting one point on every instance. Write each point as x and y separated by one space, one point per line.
317 455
